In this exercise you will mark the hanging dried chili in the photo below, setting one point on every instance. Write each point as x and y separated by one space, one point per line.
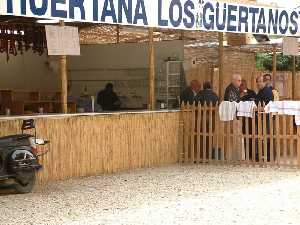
15 39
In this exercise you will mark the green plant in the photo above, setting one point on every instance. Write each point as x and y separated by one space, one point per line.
264 61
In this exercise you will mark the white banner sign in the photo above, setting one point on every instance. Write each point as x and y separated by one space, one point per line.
207 15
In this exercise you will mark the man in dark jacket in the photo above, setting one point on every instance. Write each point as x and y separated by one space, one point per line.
265 94
190 94
232 92
207 96
108 99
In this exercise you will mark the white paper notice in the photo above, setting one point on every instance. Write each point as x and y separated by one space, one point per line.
62 40
290 46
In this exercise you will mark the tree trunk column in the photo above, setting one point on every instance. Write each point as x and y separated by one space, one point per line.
221 64
64 79
151 105
274 64
294 78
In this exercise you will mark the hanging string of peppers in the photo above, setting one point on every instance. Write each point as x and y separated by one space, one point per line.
15 39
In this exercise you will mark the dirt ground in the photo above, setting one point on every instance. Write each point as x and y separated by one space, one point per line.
190 195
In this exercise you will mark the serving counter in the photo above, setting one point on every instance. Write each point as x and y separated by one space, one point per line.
90 144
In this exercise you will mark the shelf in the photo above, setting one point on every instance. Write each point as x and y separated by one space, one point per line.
172 98
175 61
174 74
41 102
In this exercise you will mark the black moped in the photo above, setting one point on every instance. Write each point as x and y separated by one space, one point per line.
19 158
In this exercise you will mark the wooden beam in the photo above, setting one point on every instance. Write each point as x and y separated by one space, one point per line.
118 34
221 64
274 64
294 78
64 79
181 35
151 105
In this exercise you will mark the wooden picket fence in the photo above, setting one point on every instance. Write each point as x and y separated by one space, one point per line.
265 139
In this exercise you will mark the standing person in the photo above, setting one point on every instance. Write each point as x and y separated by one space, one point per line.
207 95
265 94
269 83
232 92
189 95
246 93
108 99
268 80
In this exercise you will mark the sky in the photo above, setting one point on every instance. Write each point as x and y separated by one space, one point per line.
283 3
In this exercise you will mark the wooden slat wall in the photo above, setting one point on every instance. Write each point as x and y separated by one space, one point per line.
265 139
85 146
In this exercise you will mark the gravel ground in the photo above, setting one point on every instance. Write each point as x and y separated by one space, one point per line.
169 195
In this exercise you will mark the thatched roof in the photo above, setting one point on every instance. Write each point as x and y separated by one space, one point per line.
103 34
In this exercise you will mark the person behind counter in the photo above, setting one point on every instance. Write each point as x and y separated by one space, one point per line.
108 99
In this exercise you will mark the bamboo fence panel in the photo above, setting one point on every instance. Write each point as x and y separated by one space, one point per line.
265 139
90 145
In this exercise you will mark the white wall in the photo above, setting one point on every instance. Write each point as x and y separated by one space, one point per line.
27 72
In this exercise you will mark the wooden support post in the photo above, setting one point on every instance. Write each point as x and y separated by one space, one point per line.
181 35
151 105
64 79
298 146
294 78
221 64
118 34
274 64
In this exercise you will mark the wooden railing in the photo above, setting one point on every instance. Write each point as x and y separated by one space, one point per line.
265 139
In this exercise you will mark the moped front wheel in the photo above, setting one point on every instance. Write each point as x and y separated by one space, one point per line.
25 182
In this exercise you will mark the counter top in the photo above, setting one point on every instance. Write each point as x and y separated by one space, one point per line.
58 116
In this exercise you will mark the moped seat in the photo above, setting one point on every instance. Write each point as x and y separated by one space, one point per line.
12 138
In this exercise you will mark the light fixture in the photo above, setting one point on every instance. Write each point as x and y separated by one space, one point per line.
52 21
